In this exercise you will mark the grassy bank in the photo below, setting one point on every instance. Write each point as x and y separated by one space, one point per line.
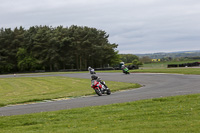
178 114
164 64
32 89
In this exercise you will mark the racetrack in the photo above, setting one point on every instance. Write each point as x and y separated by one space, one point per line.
154 86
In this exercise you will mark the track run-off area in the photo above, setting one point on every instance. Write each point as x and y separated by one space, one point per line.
154 86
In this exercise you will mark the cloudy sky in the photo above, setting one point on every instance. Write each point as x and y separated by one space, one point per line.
137 26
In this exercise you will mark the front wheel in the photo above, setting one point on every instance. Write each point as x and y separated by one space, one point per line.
92 72
108 92
98 91
127 72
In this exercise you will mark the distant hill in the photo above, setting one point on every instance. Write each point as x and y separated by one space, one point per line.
160 55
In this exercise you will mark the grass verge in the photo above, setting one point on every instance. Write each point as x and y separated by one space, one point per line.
177 114
194 71
32 89
164 64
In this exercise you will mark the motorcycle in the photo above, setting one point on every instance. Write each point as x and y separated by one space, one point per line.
92 71
126 71
99 88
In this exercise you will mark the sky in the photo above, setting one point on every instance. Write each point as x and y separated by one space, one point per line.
137 26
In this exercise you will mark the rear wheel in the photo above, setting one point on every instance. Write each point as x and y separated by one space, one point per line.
98 91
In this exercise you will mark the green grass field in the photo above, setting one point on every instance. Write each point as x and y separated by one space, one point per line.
32 89
180 114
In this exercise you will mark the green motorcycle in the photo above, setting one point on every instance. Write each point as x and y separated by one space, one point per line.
126 70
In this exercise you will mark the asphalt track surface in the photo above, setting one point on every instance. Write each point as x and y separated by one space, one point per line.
154 86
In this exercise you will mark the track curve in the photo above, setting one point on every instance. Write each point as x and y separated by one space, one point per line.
154 86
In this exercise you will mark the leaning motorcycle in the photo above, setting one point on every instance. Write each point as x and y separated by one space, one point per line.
92 71
126 71
99 88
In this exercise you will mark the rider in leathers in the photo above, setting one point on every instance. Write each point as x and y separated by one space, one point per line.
94 77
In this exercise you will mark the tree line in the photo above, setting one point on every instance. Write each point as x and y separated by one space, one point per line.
55 48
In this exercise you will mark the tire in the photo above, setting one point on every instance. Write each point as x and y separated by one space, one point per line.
127 73
108 92
98 91
92 72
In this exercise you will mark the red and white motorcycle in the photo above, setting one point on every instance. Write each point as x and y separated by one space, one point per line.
99 88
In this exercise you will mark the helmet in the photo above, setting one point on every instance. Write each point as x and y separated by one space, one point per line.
93 77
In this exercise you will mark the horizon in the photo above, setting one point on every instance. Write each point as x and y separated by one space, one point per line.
183 51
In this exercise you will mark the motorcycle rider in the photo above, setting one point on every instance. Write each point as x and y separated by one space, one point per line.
94 77
91 70
124 68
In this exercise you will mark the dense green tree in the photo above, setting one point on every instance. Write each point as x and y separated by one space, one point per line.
25 61
65 48
10 41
